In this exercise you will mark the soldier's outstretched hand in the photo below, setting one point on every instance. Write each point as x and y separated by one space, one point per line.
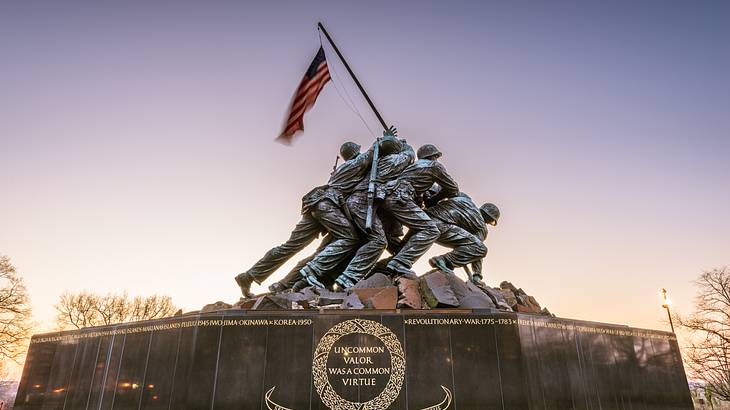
392 131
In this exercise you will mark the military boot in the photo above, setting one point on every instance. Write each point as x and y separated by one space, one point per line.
300 285
311 277
345 281
398 268
439 262
477 280
244 281
277 287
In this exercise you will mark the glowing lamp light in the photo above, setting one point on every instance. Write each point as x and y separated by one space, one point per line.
150 386
135 385
666 302
125 384
59 390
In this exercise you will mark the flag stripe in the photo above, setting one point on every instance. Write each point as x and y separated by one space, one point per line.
314 80
306 99
302 95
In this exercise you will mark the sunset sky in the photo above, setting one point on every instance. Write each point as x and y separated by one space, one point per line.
137 152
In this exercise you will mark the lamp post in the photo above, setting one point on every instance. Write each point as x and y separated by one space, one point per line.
665 305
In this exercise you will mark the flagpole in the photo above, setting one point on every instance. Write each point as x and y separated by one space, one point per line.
349 70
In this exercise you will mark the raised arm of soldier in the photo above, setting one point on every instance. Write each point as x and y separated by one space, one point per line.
346 176
392 160
398 158
405 157
449 187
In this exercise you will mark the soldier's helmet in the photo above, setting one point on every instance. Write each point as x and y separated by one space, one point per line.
428 150
390 145
349 150
490 212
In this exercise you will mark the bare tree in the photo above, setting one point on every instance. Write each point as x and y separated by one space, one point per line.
15 313
707 354
77 310
113 309
86 309
151 307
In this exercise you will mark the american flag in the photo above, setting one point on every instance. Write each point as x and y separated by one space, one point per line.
314 79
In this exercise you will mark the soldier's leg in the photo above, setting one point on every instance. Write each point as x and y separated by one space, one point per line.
395 244
425 232
393 233
294 276
467 248
303 234
369 253
344 235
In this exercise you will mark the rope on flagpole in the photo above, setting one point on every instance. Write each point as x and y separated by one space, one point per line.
351 105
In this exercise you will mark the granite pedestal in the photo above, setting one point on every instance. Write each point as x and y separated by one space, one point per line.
455 359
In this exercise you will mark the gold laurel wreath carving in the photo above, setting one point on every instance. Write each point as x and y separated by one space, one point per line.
445 403
397 361
270 404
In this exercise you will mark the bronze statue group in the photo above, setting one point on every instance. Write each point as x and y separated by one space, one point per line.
362 210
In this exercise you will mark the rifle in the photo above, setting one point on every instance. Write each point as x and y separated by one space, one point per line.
371 187
374 170
334 167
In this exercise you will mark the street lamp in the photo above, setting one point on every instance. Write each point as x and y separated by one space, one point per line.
665 305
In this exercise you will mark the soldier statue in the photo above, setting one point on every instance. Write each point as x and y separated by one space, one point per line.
361 215
402 201
462 227
395 156
321 213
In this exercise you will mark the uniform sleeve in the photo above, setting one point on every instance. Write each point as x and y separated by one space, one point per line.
449 187
396 163
408 150
482 233
366 158
406 156
351 171
446 182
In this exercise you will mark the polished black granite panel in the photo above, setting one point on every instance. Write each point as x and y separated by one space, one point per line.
476 387
96 387
130 378
239 378
157 384
180 374
38 364
447 359
82 374
430 363
284 362
57 386
202 377
111 370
